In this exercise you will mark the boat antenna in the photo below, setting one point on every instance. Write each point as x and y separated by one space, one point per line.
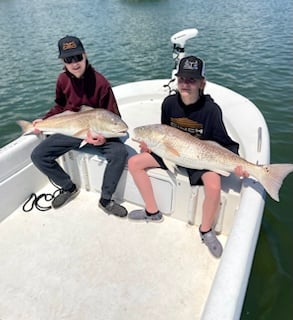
179 39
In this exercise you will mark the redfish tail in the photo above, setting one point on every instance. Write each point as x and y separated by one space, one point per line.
272 177
26 126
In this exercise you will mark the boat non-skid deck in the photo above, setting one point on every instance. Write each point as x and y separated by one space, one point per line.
79 263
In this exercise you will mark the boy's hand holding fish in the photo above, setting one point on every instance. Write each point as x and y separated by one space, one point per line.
36 130
95 139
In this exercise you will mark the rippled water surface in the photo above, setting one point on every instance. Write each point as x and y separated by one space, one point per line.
247 46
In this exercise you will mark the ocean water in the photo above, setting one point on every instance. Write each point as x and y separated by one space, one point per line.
247 46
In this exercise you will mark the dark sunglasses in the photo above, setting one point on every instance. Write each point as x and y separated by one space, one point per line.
77 58
188 81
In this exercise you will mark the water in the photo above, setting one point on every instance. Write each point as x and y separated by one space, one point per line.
247 46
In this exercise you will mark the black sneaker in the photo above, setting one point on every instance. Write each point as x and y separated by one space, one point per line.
64 197
114 208
141 215
211 241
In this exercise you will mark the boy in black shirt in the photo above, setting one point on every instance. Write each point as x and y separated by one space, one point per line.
192 111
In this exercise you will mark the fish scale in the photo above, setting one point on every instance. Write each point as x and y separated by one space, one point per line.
79 124
187 151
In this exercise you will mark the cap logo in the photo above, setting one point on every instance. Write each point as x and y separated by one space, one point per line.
190 65
69 45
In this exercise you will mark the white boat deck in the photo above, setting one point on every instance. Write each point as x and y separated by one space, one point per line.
79 263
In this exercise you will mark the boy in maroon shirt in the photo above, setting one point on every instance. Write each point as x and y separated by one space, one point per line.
80 84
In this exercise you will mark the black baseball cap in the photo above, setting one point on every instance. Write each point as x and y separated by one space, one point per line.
70 46
191 67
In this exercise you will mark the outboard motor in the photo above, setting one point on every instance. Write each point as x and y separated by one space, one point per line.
179 39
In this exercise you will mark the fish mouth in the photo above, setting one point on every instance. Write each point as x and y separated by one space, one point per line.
121 133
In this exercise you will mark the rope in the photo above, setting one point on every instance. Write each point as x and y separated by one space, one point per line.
34 200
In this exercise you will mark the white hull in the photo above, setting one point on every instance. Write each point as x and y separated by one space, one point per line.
78 263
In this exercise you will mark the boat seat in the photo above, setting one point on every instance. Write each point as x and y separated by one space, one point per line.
173 193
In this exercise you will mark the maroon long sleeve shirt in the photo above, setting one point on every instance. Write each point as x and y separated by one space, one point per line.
92 90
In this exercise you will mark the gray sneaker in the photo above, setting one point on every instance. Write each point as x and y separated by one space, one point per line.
211 241
114 208
64 197
143 216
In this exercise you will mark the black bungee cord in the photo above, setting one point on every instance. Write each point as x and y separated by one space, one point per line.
34 200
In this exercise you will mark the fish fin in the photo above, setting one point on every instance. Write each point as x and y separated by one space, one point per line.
84 108
62 114
272 176
94 133
171 149
81 133
82 144
222 172
68 112
171 166
26 127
